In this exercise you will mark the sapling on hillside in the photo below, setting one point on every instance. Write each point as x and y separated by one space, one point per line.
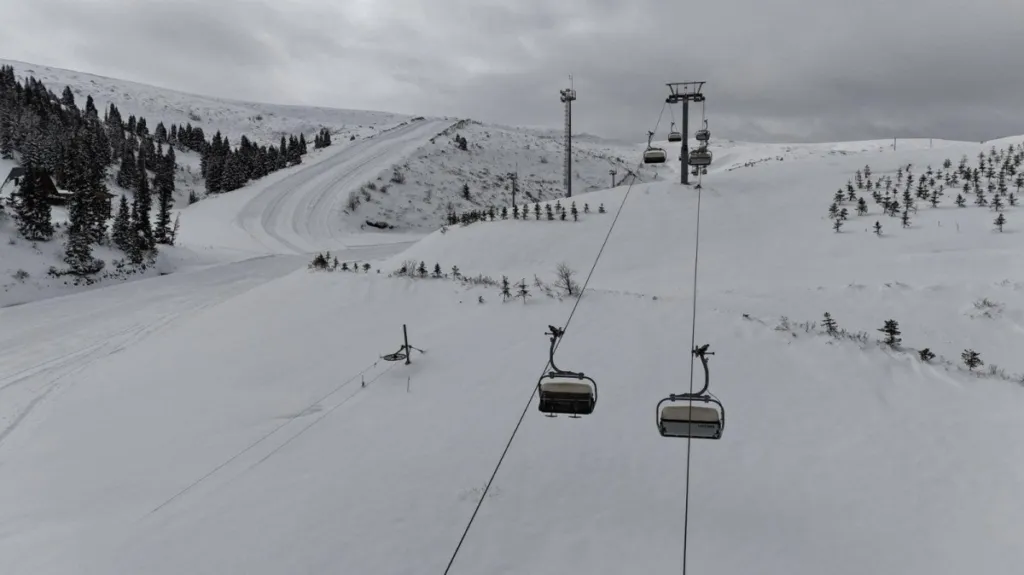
830 324
971 359
506 289
926 354
521 290
891 329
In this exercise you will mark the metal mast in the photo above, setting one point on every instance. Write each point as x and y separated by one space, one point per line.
685 92
568 96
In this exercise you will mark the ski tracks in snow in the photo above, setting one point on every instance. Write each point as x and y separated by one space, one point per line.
302 213
44 344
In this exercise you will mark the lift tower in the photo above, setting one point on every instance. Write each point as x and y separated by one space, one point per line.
568 96
685 92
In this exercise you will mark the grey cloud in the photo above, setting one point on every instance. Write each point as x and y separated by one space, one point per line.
780 70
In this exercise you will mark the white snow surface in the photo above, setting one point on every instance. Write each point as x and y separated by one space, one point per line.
215 421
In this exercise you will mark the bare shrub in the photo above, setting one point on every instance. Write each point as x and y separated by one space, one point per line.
565 281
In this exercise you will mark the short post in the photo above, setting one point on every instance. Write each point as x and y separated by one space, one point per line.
408 384
408 350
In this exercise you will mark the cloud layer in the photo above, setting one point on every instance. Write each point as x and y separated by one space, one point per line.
780 70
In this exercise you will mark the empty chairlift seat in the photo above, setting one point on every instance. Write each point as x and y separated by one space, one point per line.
675 137
568 395
684 420
655 156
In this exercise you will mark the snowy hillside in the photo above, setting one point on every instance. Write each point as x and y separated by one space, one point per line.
239 418
263 123
419 193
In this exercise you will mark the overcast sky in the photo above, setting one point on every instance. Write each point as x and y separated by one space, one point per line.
777 70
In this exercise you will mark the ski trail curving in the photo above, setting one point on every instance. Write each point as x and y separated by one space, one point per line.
301 213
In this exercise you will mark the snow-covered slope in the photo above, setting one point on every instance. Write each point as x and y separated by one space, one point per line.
418 193
226 427
262 123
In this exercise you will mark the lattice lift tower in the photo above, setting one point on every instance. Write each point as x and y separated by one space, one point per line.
685 92
568 96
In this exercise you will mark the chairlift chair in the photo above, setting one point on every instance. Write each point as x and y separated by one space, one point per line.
565 392
703 135
654 155
688 420
695 171
700 157
673 135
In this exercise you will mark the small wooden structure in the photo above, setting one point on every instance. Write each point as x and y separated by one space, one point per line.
45 185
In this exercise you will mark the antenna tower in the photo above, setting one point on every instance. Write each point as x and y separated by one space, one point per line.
568 96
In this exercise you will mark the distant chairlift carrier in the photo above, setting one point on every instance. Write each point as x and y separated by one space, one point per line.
654 155
673 135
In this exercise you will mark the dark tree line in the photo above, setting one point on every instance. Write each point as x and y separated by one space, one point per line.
75 147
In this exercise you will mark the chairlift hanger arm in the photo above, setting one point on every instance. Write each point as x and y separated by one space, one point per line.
701 353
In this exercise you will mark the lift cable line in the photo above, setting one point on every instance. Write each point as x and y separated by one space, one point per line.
557 339
693 342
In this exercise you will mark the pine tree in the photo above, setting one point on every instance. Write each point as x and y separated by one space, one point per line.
515 212
504 212
506 289
437 270
562 215
575 212
891 329
78 249
122 229
550 213
67 98
586 208
536 211
142 208
455 272
32 207
960 201
830 324
878 228
972 359
422 269
465 191
1000 222
862 207
837 225
366 267
905 218
600 209
926 354
165 197
522 291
